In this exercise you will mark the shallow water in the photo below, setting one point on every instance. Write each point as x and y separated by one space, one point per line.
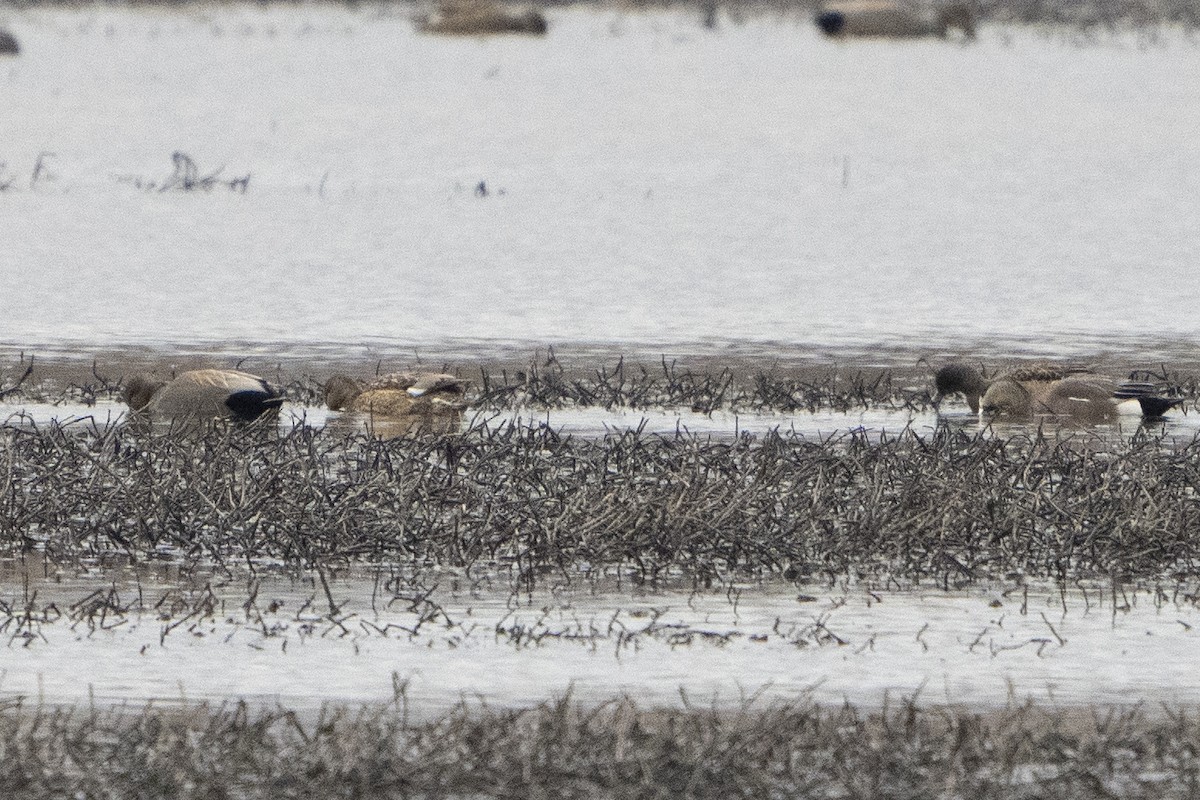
649 185
985 647
596 422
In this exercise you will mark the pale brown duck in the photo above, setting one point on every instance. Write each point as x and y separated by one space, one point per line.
413 402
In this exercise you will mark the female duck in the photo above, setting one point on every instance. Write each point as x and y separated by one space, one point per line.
429 401
203 394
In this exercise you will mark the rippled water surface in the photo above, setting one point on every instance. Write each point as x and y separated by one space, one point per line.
630 179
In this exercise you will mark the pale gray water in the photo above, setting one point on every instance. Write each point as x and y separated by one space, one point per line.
985 647
650 184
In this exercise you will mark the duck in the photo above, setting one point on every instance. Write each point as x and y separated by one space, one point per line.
887 18
8 44
1067 392
430 402
480 18
203 394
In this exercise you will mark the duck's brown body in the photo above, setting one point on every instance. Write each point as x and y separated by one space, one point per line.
405 402
1080 400
482 18
1069 393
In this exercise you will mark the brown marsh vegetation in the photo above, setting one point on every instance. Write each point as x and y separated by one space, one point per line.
951 506
562 749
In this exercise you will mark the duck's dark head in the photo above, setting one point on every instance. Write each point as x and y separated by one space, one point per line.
139 391
340 391
831 22
960 379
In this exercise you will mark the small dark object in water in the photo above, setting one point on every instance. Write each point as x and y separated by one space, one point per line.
8 44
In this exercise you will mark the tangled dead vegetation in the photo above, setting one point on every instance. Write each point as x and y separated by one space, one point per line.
949 506
550 384
546 381
564 749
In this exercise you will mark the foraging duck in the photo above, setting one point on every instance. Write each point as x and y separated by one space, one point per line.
8 44
429 401
887 18
203 394
1041 390
479 18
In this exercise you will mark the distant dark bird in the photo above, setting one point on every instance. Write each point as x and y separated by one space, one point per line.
8 44
1050 391
480 18
886 18
203 394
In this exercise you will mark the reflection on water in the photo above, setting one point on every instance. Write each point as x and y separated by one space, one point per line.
986 646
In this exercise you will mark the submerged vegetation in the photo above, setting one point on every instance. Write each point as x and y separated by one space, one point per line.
618 750
187 177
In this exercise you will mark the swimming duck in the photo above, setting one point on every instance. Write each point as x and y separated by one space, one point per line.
428 401
886 18
203 394
1043 390
479 18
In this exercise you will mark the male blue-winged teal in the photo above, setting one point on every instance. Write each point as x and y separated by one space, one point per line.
203 394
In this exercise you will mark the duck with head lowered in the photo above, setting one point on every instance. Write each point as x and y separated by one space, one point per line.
202 394
1069 393
430 402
